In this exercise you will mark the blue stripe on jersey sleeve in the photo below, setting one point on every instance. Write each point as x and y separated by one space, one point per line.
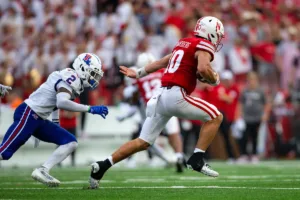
55 85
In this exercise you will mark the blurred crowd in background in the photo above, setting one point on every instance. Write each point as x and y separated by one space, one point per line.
261 53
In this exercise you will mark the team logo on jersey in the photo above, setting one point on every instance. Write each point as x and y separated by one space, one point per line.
87 59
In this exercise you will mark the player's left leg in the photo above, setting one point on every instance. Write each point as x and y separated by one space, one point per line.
53 133
19 132
150 131
175 140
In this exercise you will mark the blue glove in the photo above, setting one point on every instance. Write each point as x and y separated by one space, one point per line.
99 110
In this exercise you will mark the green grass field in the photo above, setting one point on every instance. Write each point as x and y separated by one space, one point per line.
267 180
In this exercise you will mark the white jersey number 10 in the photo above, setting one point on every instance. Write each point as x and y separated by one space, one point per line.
175 61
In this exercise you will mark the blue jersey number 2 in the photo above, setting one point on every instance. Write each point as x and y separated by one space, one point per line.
71 79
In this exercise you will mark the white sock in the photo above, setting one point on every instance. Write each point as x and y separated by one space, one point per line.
60 154
179 155
111 160
198 150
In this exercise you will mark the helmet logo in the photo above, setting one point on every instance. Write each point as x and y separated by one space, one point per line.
218 27
87 59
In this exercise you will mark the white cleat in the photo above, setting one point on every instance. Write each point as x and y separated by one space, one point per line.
207 170
41 175
94 184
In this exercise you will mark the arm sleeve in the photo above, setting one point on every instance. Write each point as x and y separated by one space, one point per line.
64 85
64 102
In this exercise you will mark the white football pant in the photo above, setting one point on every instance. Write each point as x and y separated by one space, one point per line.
173 102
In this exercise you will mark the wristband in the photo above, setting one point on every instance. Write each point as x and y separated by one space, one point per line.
141 72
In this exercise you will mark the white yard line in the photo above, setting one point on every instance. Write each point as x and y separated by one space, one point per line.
158 181
162 187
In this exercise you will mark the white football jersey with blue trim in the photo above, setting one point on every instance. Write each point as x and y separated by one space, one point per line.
43 100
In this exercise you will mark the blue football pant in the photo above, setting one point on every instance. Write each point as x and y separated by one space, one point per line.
27 123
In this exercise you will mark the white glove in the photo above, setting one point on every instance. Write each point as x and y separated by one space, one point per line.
4 90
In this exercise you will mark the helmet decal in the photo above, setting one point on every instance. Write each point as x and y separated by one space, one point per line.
87 59
88 68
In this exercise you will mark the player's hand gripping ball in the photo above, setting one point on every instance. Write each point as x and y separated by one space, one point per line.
210 79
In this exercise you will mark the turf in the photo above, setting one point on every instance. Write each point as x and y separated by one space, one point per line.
267 180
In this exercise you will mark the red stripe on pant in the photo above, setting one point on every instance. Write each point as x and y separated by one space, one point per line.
206 104
16 131
198 106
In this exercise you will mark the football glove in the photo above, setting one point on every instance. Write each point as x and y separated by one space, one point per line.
4 90
99 110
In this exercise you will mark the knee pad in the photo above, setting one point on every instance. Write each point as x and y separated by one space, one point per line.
73 145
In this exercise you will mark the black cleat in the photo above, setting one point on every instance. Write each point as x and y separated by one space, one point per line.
97 172
197 163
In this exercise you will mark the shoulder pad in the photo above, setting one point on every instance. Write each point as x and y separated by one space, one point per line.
70 77
207 46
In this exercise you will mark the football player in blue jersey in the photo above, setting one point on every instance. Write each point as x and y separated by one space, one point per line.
30 118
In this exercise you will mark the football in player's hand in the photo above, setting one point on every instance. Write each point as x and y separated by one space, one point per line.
209 78
200 78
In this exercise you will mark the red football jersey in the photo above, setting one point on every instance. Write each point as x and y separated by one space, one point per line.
149 84
182 67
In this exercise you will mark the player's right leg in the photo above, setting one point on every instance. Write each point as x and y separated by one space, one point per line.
19 132
187 107
150 131
67 142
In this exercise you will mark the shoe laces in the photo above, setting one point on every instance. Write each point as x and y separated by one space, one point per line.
208 166
48 176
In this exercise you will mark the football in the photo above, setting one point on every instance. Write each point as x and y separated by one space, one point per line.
210 76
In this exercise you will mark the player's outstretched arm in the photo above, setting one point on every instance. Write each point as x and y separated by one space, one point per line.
64 102
159 64
205 69
4 90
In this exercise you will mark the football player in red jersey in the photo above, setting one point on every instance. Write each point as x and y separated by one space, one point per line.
190 59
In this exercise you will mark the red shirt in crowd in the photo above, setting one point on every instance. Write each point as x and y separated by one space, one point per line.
264 50
229 109
212 95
